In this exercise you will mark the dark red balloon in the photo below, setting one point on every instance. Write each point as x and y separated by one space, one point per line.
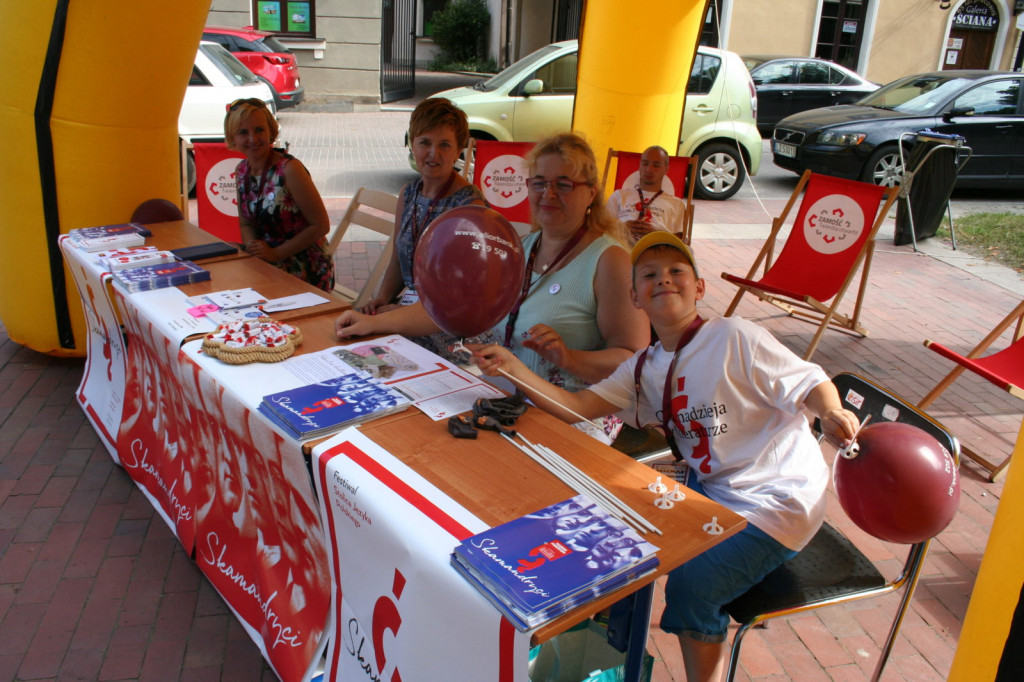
901 486
468 269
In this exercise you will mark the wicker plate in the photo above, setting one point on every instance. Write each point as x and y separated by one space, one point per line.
259 340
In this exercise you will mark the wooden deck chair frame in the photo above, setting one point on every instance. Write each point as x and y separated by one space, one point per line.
992 367
830 569
467 160
803 306
686 234
356 214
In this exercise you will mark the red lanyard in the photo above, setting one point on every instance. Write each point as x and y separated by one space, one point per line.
666 396
528 278
417 225
641 208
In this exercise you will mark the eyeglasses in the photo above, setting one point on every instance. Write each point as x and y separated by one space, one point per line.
251 101
562 186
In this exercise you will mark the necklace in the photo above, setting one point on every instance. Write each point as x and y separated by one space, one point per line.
418 227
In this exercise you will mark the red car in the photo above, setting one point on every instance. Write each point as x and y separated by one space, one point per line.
265 56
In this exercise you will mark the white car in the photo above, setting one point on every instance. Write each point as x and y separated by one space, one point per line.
218 79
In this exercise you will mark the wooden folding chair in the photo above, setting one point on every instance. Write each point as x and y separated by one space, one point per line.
373 210
831 569
832 238
680 180
467 160
1004 368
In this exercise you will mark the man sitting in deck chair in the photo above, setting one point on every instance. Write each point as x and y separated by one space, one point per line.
645 207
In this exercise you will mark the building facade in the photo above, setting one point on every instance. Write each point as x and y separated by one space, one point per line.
365 52
880 39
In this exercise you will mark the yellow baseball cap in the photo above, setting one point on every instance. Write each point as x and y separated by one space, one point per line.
668 239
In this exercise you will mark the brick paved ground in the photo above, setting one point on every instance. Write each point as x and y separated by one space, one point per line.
93 585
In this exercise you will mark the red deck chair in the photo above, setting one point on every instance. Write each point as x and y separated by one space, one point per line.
499 170
679 181
1004 368
832 238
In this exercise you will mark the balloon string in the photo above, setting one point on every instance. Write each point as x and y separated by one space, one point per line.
459 346
578 416
853 449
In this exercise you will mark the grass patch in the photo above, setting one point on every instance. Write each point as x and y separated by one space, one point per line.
996 237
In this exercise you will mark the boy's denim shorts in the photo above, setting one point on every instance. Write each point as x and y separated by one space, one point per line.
696 593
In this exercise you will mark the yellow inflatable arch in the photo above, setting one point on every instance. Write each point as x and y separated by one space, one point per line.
90 116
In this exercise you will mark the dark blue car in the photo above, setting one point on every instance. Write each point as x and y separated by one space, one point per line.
861 141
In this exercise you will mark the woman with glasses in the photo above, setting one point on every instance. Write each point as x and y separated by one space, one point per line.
281 215
438 132
574 322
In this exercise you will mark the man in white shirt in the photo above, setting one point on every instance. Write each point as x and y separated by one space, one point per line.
646 207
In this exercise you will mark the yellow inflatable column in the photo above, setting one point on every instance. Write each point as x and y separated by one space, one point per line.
634 64
990 637
90 118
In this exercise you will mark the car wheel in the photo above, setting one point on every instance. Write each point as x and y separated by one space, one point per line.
190 174
720 171
884 167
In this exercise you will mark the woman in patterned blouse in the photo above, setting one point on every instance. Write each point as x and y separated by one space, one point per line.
281 215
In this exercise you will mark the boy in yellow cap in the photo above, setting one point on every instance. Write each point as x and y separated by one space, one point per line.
732 402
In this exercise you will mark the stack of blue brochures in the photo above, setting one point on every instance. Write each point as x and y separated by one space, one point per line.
544 564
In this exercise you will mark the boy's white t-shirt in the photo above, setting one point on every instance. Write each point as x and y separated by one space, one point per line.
739 395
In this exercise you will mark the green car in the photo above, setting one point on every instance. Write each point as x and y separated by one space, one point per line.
534 97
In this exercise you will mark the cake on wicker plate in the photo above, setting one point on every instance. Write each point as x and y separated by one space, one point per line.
259 340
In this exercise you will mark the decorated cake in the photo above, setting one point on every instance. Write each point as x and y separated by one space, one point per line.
259 340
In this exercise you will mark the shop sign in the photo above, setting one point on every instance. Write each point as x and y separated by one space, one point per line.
977 15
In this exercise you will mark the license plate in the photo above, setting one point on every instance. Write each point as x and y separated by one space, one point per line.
783 149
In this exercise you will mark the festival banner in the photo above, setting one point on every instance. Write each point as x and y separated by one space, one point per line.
399 610
101 392
259 538
155 442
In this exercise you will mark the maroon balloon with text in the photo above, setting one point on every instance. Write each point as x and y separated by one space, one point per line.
901 486
468 269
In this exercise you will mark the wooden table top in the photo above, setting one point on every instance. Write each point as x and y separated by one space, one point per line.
494 480
177 234
240 270
239 273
